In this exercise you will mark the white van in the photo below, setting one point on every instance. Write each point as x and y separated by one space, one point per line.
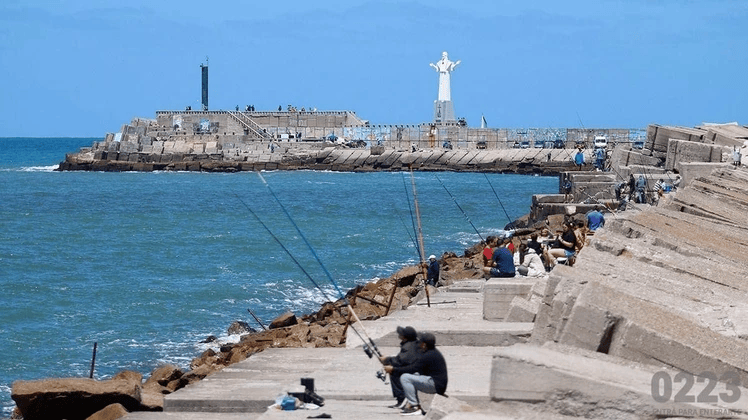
601 142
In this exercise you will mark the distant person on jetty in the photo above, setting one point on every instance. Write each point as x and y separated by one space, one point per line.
409 352
502 260
432 273
567 188
736 156
595 219
579 158
428 374
600 158
641 190
567 243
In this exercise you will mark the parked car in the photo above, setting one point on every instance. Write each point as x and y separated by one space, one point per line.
525 144
559 144
601 142
638 144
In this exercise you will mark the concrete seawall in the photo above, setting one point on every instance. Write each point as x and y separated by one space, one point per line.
294 157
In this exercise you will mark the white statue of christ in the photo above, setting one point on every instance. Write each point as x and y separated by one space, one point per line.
444 67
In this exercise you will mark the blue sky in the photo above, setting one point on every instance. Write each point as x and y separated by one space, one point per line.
83 68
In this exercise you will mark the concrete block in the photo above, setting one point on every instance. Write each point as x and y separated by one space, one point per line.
588 328
687 151
592 385
692 170
521 310
632 328
498 295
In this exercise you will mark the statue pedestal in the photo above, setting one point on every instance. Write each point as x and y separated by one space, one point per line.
444 111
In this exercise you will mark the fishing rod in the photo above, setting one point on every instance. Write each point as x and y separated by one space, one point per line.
369 346
420 237
316 257
511 223
460 207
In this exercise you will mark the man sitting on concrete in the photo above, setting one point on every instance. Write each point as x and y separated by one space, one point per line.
409 352
427 374
502 262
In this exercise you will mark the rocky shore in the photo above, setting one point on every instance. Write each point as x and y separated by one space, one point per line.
660 289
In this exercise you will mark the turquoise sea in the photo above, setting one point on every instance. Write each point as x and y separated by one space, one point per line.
147 265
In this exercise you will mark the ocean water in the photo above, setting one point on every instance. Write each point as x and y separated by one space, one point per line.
147 265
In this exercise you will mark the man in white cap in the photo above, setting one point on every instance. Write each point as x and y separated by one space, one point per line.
432 275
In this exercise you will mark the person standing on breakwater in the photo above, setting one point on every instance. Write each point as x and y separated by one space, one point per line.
428 373
502 261
567 188
579 158
432 274
408 354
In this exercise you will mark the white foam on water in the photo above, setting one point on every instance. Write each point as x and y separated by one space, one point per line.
50 168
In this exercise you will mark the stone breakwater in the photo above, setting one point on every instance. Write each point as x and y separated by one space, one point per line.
296 156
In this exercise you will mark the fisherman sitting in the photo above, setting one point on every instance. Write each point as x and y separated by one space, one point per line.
428 373
409 352
502 260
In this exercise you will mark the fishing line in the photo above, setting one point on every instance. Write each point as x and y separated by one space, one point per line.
342 296
418 216
460 207
316 257
405 227
511 223
284 248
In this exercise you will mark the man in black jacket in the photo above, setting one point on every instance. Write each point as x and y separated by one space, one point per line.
409 352
428 373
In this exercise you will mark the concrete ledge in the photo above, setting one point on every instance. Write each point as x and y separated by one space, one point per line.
593 385
499 292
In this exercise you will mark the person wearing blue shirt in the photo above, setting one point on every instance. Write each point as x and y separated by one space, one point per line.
600 158
579 158
595 219
502 261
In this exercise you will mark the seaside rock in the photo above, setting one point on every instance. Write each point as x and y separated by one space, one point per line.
164 375
239 327
72 398
209 339
284 320
110 412
129 376
197 374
